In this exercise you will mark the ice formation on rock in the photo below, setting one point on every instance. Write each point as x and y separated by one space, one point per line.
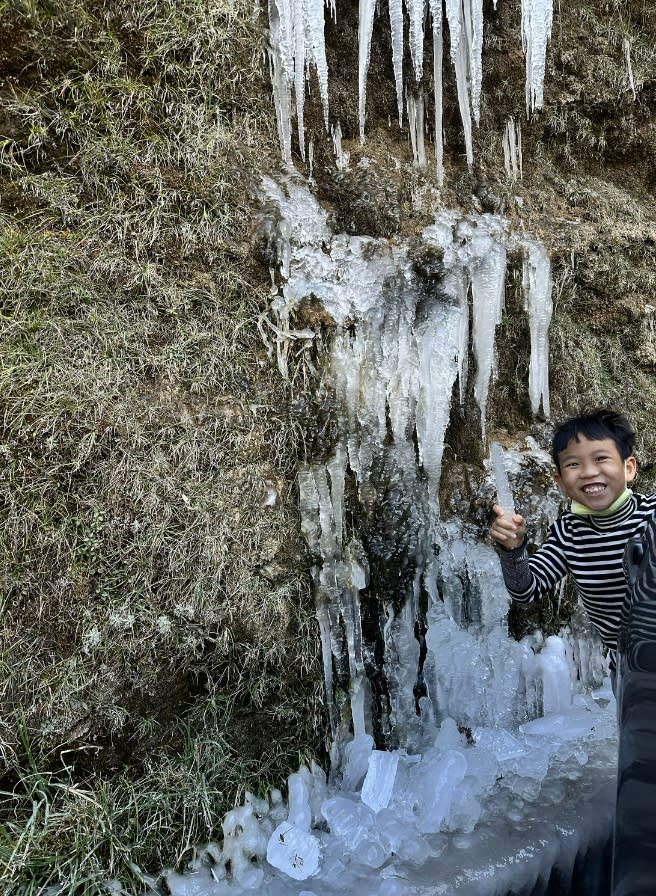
400 344
493 738
476 815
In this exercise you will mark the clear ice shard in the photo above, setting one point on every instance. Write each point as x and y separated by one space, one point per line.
537 285
504 494
537 18
379 780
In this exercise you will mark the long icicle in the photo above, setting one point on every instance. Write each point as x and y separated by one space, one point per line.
365 30
436 15
396 27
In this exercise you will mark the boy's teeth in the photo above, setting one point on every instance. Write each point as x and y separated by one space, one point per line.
594 489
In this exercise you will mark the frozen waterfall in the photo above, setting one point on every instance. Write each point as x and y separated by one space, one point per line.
497 771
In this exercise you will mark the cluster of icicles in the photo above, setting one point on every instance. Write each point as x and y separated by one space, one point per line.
298 42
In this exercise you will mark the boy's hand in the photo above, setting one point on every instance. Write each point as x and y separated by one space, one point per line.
508 533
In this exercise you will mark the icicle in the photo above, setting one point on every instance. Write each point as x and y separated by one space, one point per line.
282 101
454 18
488 272
462 84
473 20
415 104
416 15
365 30
299 69
317 48
512 148
297 39
396 26
341 157
436 13
333 10
537 298
537 17
629 67
462 289
281 66
465 18
438 339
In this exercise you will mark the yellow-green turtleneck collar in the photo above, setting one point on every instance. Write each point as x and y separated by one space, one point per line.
582 510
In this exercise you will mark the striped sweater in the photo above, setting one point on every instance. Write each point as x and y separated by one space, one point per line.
591 549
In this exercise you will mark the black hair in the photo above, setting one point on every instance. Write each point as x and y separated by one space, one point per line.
601 423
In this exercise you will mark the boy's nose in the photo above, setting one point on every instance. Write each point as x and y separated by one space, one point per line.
589 469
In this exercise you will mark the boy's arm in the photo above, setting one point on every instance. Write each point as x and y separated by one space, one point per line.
527 577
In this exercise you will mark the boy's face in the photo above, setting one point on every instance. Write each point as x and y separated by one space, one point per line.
593 472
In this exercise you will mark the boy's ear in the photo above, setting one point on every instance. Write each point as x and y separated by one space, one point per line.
630 468
559 482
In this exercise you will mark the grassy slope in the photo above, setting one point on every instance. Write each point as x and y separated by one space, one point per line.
156 636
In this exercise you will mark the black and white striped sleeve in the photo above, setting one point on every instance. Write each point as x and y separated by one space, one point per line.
527 578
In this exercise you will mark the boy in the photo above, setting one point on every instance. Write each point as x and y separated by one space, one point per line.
594 458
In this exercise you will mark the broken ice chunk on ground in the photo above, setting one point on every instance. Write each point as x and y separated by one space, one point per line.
355 825
294 851
578 722
357 753
379 780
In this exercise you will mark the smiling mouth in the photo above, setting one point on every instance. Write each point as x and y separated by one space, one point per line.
594 489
